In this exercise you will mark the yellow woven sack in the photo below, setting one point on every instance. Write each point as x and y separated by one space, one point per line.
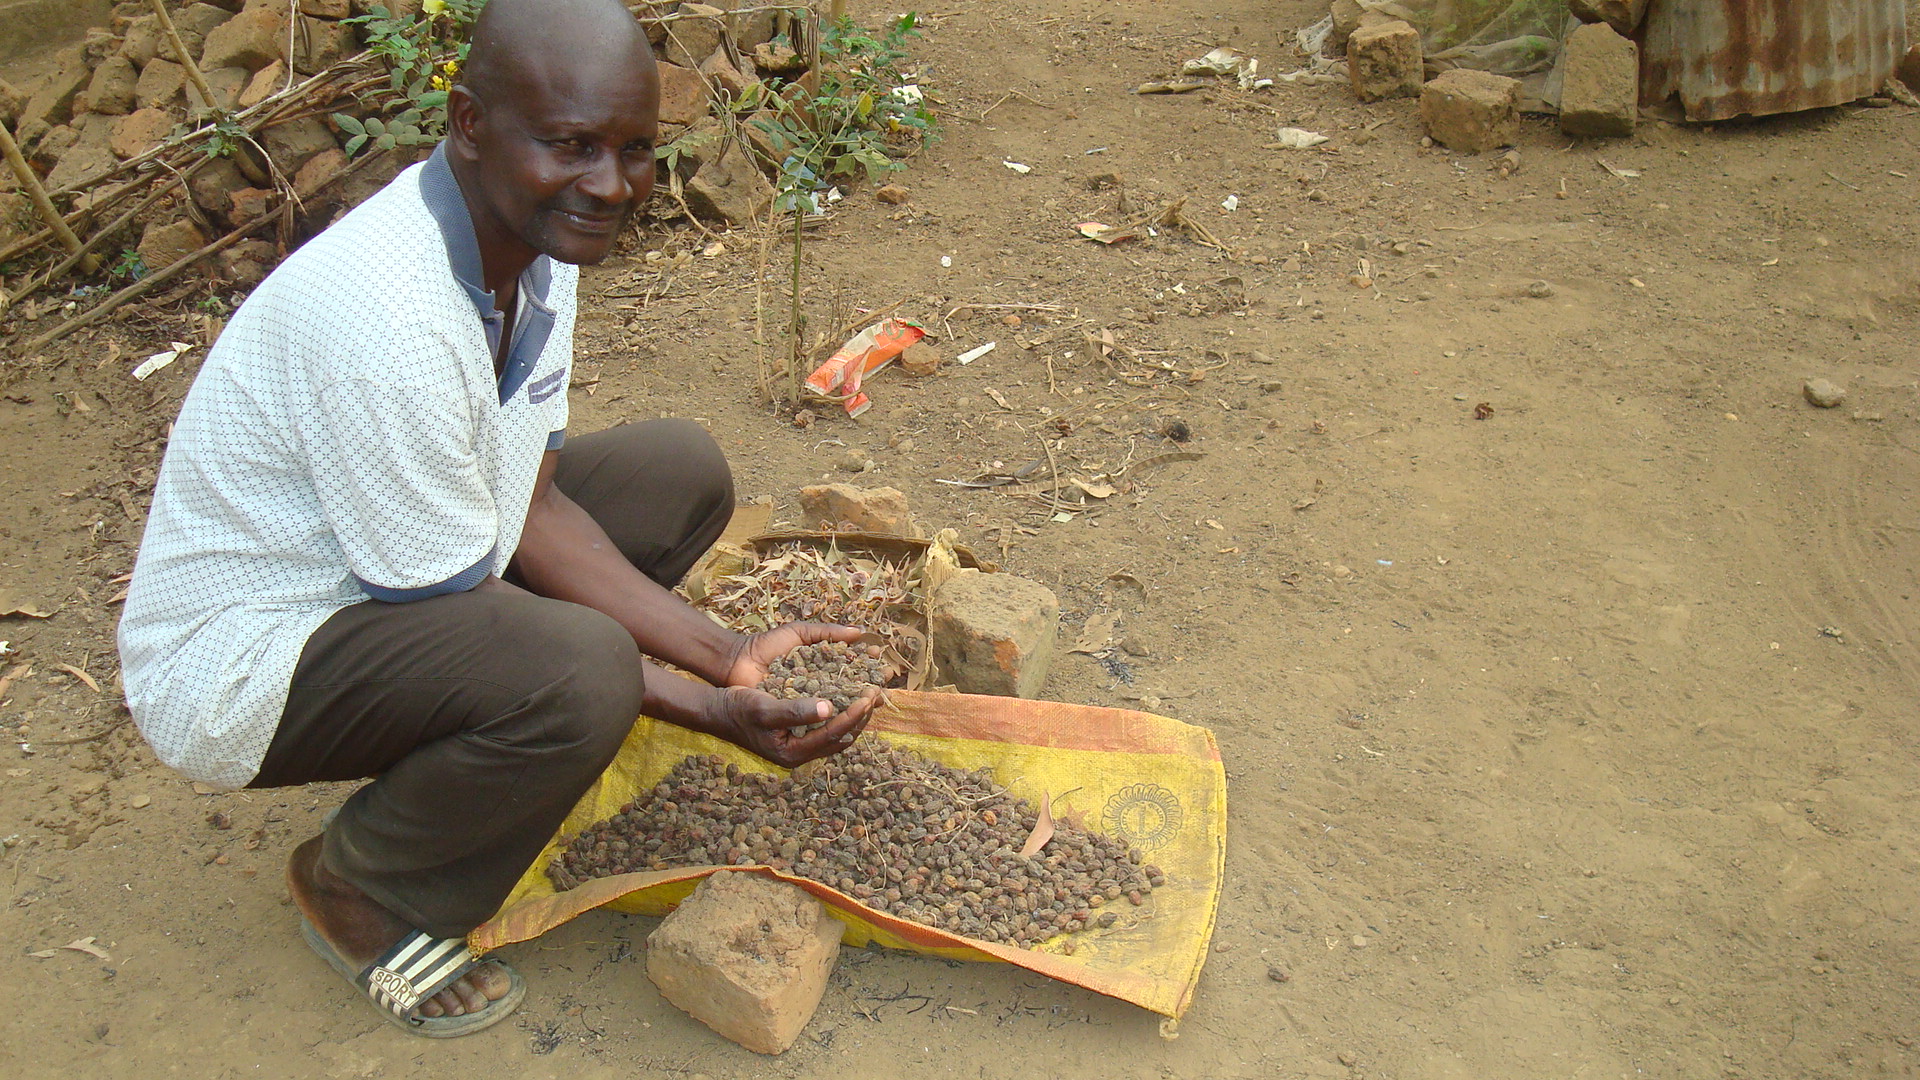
1155 782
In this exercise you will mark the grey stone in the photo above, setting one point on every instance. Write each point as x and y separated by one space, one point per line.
52 102
1600 89
993 633
1822 393
292 145
144 40
226 84
252 39
732 189
213 184
12 101
111 92
89 155
160 85
165 244
321 44
1623 15
139 132
695 35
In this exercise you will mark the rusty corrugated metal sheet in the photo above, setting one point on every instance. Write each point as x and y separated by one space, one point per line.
1728 57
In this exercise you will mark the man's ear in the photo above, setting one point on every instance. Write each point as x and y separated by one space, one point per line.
463 117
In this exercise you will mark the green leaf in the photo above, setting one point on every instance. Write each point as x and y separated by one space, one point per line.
348 124
406 131
432 99
354 144
375 127
385 142
411 116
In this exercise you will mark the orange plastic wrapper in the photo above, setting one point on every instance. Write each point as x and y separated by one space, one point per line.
870 350
1153 781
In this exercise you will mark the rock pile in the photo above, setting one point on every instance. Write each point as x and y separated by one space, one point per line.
890 828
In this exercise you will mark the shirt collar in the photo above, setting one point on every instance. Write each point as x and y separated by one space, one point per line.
440 190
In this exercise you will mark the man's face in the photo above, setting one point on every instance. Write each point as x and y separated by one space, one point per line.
562 159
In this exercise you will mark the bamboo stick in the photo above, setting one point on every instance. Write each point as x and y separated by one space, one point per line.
160 277
38 193
180 50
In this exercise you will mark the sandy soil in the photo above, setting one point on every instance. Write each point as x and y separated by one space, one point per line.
1575 741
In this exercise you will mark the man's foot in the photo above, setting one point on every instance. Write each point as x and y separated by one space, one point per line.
360 930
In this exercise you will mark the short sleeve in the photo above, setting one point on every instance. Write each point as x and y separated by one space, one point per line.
400 481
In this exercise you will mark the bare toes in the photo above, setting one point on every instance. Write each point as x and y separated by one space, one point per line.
491 980
471 999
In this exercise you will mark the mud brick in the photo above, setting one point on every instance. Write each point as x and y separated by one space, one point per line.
1385 61
747 956
994 633
876 510
695 35
732 189
1471 111
1600 93
252 40
683 95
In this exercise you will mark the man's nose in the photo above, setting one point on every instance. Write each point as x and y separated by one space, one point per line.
607 182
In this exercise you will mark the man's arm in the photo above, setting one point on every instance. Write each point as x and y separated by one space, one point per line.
565 554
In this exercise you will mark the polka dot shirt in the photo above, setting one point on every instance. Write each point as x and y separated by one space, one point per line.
346 439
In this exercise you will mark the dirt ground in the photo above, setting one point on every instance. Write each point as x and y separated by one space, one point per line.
1573 741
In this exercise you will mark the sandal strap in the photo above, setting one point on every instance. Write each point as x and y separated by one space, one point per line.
417 967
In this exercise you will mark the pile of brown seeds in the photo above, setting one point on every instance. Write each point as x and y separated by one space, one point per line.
838 672
896 831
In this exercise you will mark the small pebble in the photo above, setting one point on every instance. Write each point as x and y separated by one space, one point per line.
141 802
1822 393
1278 975
1540 290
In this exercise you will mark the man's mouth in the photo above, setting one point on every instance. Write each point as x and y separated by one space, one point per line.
593 223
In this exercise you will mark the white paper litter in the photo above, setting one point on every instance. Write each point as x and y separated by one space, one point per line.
1293 138
1221 61
1230 203
161 359
946 260
1312 39
1018 167
973 354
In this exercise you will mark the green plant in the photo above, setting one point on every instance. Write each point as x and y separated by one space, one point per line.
129 265
670 154
225 136
853 116
423 55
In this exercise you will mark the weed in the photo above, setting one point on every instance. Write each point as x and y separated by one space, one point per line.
851 117
423 57
129 265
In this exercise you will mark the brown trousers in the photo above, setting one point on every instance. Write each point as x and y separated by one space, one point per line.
485 716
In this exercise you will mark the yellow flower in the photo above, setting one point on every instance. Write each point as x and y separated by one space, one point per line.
451 67
434 8
440 83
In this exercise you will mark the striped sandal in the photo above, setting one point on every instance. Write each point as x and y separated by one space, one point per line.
417 967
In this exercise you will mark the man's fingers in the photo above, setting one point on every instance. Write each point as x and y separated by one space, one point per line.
813 633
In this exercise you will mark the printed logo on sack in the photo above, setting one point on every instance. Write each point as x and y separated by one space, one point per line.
1144 815
395 986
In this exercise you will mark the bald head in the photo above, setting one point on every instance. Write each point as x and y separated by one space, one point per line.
516 42
551 131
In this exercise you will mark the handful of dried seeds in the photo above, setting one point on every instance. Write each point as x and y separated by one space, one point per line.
898 832
838 672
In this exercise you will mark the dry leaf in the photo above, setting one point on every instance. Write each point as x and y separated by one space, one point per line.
1096 490
81 675
999 399
14 607
1097 635
1042 827
84 945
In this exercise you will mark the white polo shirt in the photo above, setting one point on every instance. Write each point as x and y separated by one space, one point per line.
345 439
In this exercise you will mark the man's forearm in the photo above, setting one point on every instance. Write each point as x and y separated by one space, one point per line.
564 554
